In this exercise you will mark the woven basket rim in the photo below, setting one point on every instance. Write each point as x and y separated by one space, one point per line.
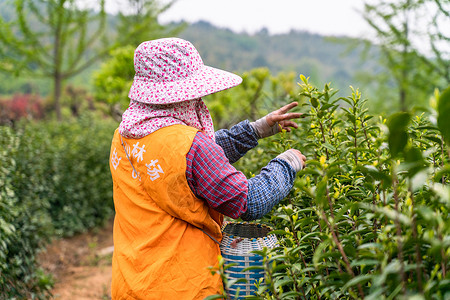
246 230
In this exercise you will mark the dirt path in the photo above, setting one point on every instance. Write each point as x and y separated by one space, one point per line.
81 265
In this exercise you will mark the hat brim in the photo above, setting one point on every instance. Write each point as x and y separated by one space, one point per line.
207 81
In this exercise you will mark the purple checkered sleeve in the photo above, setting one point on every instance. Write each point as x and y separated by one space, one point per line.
211 176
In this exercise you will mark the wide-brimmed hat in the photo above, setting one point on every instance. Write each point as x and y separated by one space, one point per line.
171 70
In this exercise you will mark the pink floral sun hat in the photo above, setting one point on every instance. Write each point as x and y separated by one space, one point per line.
171 70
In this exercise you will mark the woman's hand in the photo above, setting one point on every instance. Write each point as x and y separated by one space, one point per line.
295 158
283 118
276 121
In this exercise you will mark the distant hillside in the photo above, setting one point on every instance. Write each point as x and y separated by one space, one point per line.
325 59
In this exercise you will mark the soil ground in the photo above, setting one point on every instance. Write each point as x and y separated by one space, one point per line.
81 265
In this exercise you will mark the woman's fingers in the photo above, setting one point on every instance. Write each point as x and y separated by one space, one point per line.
287 107
274 117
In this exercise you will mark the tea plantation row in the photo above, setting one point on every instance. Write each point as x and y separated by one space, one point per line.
54 182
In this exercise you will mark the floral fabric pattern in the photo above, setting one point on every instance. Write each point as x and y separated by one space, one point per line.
169 82
141 119
171 70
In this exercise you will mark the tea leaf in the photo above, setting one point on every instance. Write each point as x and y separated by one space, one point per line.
357 280
445 171
319 253
398 136
435 139
364 262
329 146
321 191
388 212
443 120
213 297
283 282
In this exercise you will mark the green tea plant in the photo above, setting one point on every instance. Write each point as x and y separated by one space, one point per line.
54 182
368 218
63 168
24 226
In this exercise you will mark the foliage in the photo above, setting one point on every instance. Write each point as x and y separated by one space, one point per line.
24 227
77 100
74 167
258 92
53 39
138 22
59 39
114 78
54 181
10 85
369 215
21 106
443 120
411 36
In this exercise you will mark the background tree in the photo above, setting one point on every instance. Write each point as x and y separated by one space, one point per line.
59 39
138 22
113 80
411 37
56 39
439 40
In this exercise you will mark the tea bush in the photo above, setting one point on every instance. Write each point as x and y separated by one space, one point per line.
24 227
65 166
54 181
368 218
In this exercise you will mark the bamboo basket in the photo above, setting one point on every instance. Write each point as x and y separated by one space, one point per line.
239 240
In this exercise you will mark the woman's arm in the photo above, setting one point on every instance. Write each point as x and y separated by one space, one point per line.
237 140
268 188
212 178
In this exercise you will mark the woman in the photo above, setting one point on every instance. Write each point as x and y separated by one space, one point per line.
172 175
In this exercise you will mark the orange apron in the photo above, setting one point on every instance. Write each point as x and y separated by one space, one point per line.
159 250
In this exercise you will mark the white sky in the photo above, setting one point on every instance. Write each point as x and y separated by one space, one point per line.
328 17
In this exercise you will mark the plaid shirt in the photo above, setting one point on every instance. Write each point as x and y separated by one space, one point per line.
211 176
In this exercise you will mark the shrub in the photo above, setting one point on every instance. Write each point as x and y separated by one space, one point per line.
24 227
54 181
69 164
369 216
21 106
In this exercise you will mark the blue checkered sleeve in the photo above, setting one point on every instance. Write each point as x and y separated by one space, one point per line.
212 178
237 140
268 188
